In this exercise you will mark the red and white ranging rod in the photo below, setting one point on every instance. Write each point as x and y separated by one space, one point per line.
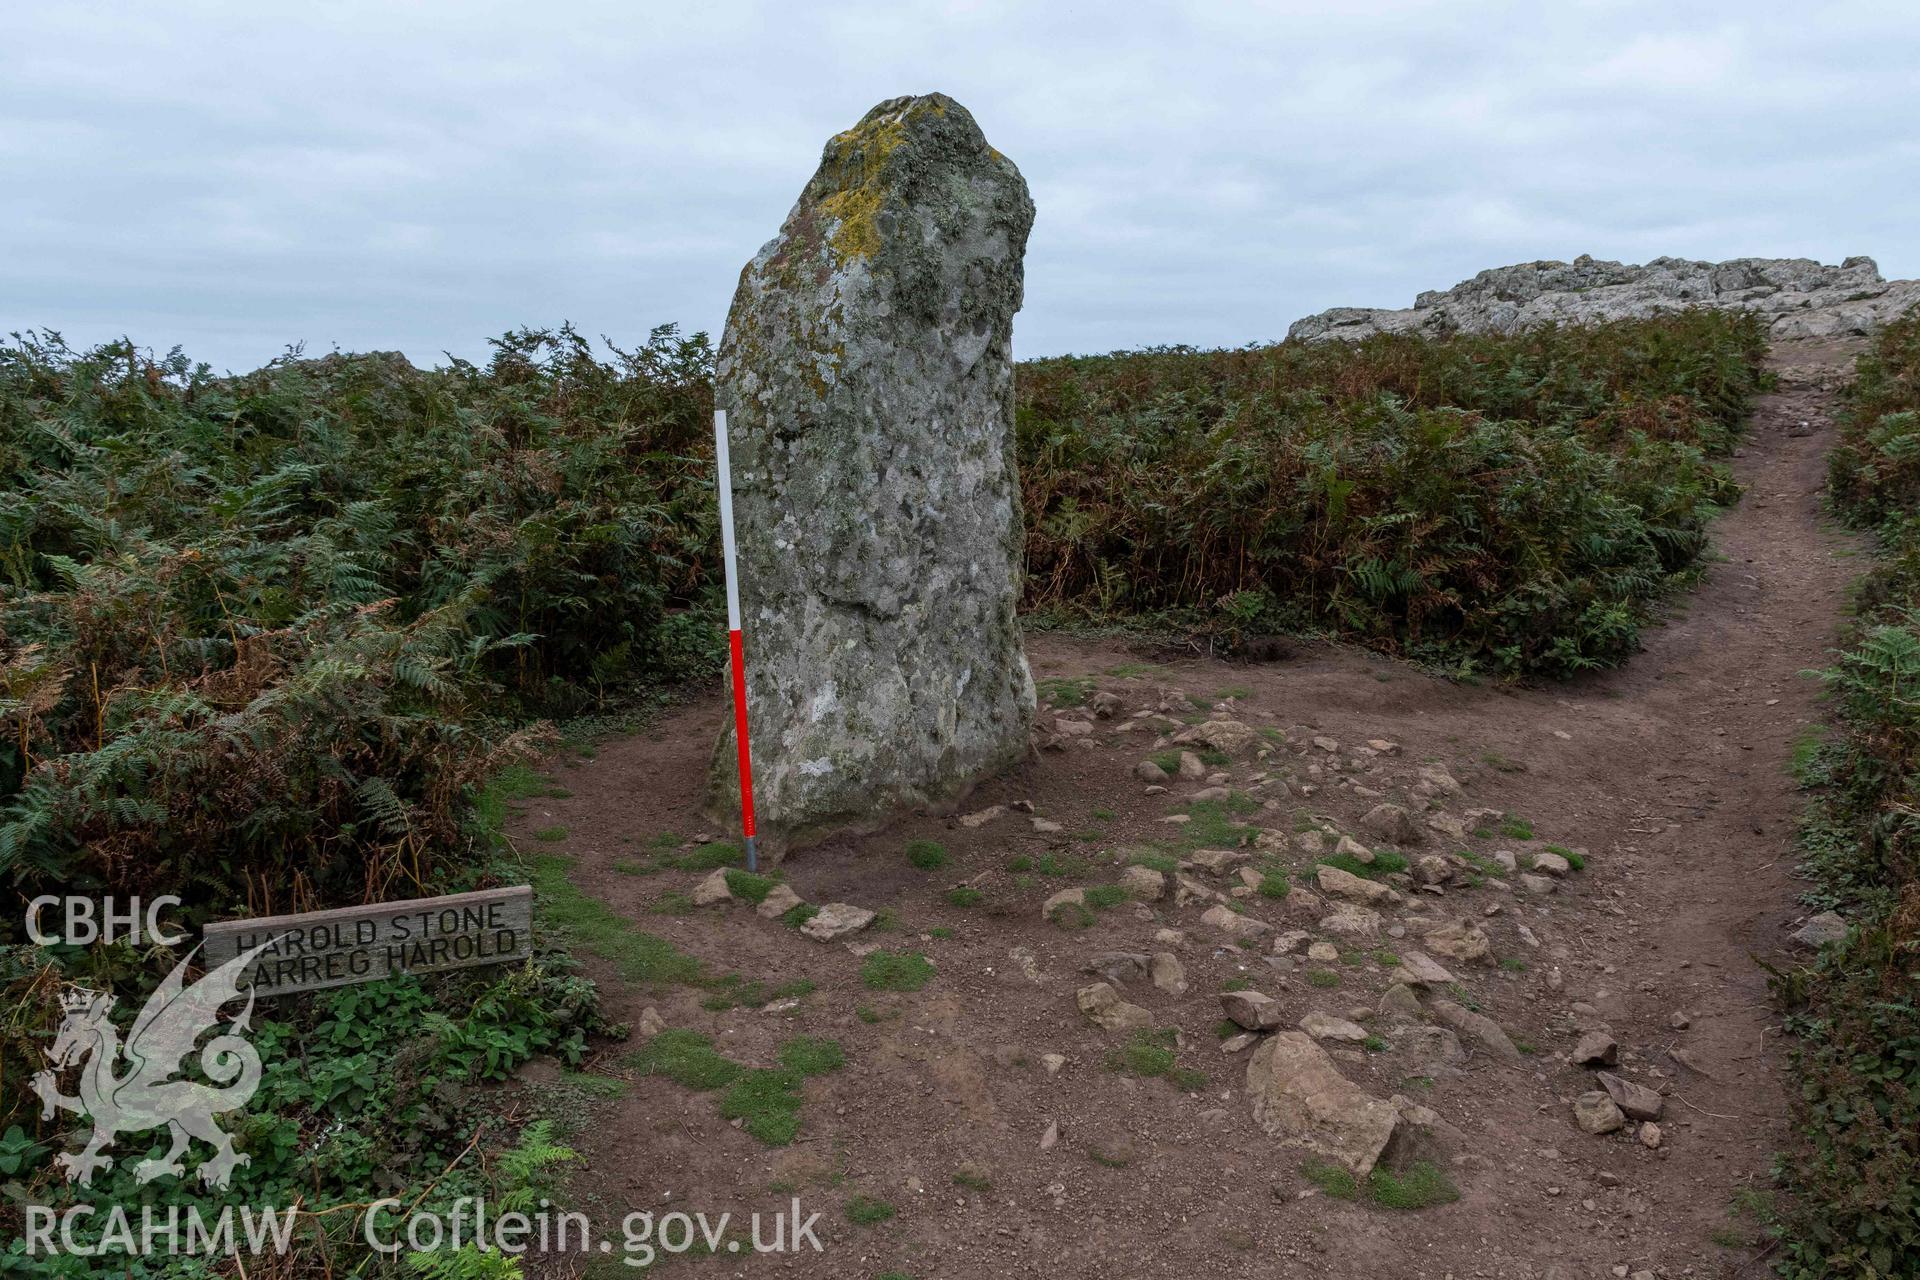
723 480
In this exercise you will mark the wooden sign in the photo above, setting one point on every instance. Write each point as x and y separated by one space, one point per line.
364 944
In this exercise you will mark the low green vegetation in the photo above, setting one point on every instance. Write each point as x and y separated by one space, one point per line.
1420 1186
965 896
1854 1178
1065 691
1806 754
749 886
1332 1179
1509 503
928 855
733 991
1575 859
638 957
1213 824
1385 863
866 1211
1482 864
972 1180
706 857
1072 915
1165 863
1151 1054
896 971
1060 866
674 902
1516 828
687 1058
766 1100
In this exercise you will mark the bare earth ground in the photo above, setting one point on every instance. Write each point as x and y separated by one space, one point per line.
1672 774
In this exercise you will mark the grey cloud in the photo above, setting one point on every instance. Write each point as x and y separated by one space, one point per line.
422 176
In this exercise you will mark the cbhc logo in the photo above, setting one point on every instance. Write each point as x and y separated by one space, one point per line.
109 923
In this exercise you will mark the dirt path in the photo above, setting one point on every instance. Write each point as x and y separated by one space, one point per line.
1672 775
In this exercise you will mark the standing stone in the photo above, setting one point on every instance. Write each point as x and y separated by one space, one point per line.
867 375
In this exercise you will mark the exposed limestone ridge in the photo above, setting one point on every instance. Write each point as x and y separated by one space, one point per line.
1798 297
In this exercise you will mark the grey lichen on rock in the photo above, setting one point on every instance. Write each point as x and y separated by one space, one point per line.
867 373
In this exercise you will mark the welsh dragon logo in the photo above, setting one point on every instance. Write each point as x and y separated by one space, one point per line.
144 1095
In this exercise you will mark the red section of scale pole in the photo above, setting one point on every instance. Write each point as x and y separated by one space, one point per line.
738 648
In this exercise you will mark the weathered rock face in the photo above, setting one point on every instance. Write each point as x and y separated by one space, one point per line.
1798 298
868 378
1299 1097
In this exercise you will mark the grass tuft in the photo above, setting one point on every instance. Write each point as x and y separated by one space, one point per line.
866 1211
1333 1179
1421 1187
749 886
928 855
636 955
896 971
687 1058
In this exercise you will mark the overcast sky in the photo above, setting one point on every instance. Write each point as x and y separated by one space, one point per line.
238 175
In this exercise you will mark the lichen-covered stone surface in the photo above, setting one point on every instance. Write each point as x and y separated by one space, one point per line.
1797 297
867 374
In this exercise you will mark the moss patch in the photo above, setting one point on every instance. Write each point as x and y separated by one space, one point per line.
638 956
896 971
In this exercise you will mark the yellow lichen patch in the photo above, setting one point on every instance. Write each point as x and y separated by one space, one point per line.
861 154
857 235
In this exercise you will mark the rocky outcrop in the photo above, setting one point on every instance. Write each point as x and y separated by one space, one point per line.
867 373
1798 298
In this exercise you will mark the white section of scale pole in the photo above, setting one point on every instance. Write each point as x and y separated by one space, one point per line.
723 477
